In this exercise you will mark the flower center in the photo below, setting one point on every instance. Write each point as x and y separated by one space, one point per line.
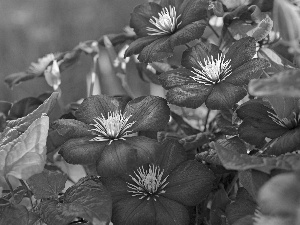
166 23
148 183
113 128
285 122
213 71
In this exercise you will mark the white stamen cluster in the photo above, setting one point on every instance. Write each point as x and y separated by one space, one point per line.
114 127
148 183
166 23
285 122
213 71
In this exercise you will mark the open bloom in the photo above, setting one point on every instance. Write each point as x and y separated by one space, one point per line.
260 121
213 77
103 132
158 192
161 27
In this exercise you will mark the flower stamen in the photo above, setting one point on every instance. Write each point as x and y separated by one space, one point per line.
148 183
113 128
166 23
213 71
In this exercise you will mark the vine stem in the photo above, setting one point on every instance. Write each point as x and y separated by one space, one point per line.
213 30
95 62
10 187
206 120
28 192
233 182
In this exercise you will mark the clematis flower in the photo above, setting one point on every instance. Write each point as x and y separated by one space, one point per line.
210 76
260 121
158 192
161 27
103 132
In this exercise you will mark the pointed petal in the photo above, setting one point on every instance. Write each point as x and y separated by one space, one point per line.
167 3
252 69
198 53
141 15
171 155
241 52
193 10
188 33
191 95
123 156
150 113
174 78
189 183
133 211
82 150
169 212
117 188
96 105
137 46
224 96
157 50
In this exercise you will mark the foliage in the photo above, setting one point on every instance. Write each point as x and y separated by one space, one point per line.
216 142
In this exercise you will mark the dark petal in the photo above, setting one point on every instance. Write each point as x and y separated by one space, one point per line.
193 10
256 114
241 52
288 142
117 188
191 95
188 33
150 113
167 3
169 212
198 53
174 78
82 150
123 156
156 51
141 15
252 69
189 183
171 155
224 96
96 105
133 211
137 46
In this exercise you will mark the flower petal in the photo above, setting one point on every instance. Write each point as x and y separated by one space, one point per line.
189 183
169 212
82 150
188 33
224 96
191 95
123 156
171 155
117 188
167 3
156 51
150 113
141 15
252 69
178 77
241 52
133 211
96 105
192 56
193 10
137 46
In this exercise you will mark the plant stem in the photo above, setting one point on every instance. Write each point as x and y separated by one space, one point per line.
10 187
93 73
206 120
28 192
213 30
233 182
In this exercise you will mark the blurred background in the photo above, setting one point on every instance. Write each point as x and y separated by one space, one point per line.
33 28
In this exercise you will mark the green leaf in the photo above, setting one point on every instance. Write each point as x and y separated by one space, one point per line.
196 140
26 155
47 184
23 107
286 83
218 206
233 160
242 206
88 199
14 215
209 156
252 180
